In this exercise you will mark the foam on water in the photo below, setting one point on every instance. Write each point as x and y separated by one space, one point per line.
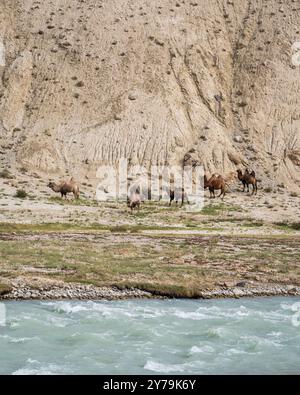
34 367
234 351
151 336
192 315
203 349
216 333
17 340
163 368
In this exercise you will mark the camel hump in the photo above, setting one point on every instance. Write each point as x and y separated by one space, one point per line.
253 173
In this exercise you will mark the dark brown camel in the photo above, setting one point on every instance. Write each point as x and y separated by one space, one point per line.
248 179
134 200
215 183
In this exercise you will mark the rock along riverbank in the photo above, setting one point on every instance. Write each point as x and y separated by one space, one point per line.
90 292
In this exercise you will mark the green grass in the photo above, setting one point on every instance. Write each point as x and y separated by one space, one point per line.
21 193
252 224
219 208
44 227
166 266
73 202
79 227
169 290
288 225
6 227
4 288
6 174
122 264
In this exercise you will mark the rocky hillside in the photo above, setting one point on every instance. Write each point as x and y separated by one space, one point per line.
85 82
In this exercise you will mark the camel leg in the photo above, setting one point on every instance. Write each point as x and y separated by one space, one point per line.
222 193
182 201
254 189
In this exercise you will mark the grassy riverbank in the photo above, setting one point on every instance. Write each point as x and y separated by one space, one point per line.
241 246
176 265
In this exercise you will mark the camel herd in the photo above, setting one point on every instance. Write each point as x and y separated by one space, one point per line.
248 179
217 182
214 183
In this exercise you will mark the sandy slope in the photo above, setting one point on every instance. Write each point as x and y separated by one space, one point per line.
84 83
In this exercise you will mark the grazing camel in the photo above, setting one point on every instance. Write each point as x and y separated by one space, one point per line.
248 179
65 187
134 201
242 178
214 183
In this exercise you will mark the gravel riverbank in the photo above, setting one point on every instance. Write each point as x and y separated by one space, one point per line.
90 292
73 291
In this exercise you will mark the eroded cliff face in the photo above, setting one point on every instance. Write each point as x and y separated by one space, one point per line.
86 82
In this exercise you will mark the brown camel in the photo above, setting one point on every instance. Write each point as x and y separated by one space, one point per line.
248 179
65 187
214 183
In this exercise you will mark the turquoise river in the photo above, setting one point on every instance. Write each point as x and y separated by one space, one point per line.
241 336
